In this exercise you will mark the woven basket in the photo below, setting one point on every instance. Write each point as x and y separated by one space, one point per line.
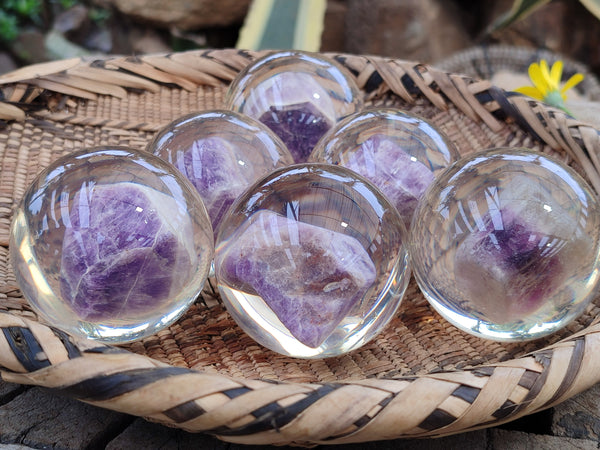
485 61
420 378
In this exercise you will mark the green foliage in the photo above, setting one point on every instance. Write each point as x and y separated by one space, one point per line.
13 13
9 28
99 15
66 4
181 44
24 8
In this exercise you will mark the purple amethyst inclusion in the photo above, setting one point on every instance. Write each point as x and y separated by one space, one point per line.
119 257
402 178
300 126
309 276
516 267
211 166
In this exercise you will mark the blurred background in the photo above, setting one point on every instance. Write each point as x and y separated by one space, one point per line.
34 31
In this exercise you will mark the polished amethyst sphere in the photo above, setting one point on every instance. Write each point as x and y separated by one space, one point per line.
221 153
310 260
120 258
398 152
111 243
310 284
299 96
505 244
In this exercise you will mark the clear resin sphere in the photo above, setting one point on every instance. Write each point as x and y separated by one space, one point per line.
505 244
221 153
398 152
111 243
311 261
299 96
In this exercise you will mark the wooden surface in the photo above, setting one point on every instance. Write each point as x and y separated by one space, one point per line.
32 417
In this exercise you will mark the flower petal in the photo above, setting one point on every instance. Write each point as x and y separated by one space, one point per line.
552 85
544 68
537 78
556 72
572 82
530 91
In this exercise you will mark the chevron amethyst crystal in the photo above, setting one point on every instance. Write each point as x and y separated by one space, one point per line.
210 165
221 153
111 244
299 96
309 276
398 152
402 178
120 258
300 126
505 244
310 261
514 262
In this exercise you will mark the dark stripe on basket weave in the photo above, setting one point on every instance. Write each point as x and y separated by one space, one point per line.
505 410
184 412
271 408
233 393
484 98
528 379
72 350
383 403
105 387
501 97
410 85
543 357
277 417
26 348
105 350
373 82
342 60
483 371
572 370
364 420
466 393
437 419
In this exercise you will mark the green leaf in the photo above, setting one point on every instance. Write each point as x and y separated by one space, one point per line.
593 6
28 8
283 24
67 4
519 10
9 29
99 15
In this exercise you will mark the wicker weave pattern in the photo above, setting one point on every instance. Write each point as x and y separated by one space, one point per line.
253 411
487 60
421 377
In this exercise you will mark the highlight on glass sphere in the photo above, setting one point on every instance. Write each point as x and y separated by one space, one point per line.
505 244
111 244
311 262
398 152
298 95
221 153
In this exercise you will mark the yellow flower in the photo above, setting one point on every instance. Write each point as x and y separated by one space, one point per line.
546 83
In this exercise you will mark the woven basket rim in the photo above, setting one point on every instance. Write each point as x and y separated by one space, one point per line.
484 61
299 413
